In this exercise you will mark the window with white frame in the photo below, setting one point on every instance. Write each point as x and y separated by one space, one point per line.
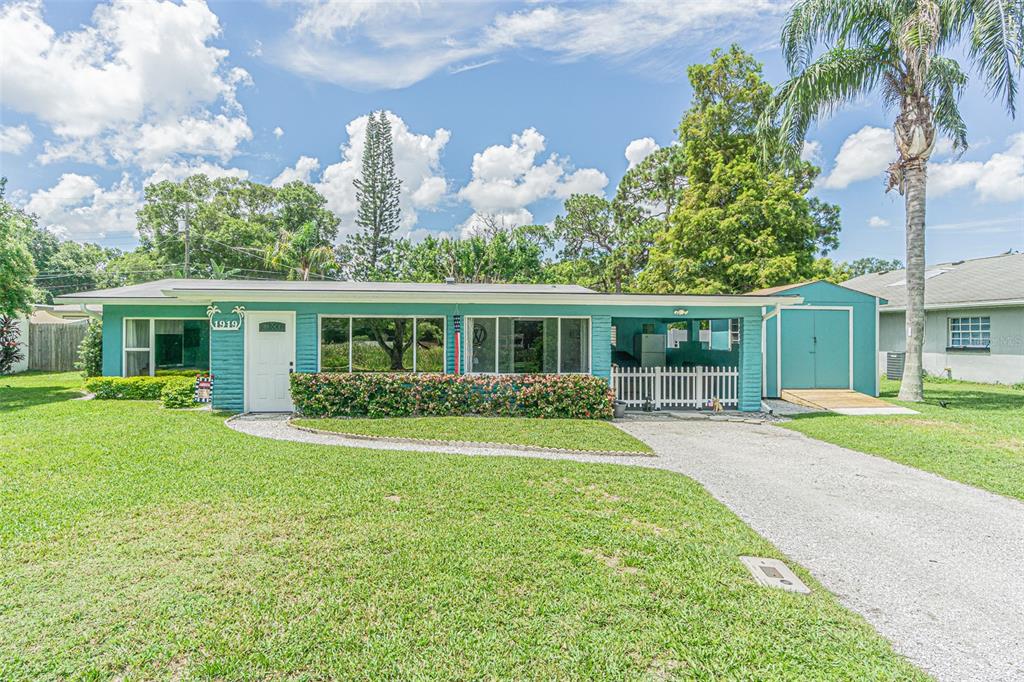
155 345
969 332
381 344
528 345
138 347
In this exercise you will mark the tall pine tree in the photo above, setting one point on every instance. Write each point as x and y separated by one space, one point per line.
377 190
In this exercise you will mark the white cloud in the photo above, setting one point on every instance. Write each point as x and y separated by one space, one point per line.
135 86
864 154
417 163
279 132
507 178
811 151
396 44
480 223
1000 179
78 208
638 150
878 221
302 170
177 171
14 139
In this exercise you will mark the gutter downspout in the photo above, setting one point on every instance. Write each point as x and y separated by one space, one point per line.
93 315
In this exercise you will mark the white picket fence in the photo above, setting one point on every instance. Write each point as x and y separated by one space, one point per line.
668 387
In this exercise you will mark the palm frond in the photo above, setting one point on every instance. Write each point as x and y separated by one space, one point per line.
836 77
997 45
830 22
945 86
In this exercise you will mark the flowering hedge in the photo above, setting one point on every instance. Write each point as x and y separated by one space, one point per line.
573 396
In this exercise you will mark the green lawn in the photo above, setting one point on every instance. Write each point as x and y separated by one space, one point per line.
978 438
138 542
577 434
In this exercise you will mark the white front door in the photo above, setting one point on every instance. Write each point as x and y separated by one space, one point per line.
269 359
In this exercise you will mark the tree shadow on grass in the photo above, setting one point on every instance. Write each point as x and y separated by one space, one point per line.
961 398
18 398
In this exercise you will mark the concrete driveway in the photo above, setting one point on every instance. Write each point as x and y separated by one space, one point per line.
935 566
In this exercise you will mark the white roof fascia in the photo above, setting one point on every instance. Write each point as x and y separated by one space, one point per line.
464 298
956 306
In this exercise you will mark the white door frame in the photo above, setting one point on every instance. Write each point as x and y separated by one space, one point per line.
250 325
778 336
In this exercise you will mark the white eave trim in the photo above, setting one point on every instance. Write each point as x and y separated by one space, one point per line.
197 296
465 298
1005 303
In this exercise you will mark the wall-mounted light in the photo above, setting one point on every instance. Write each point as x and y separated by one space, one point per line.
680 311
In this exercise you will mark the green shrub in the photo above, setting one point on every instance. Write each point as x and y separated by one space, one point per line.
90 351
571 396
190 373
179 391
127 388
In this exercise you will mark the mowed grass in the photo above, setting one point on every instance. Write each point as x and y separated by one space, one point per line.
978 438
143 543
577 434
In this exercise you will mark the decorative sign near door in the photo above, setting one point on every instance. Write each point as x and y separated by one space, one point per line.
226 325
204 388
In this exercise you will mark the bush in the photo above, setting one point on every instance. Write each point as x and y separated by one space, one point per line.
572 396
127 388
10 350
179 391
90 351
190 373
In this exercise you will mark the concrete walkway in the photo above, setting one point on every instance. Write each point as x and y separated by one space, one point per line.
935 566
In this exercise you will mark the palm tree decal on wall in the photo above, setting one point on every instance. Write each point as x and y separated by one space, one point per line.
225 325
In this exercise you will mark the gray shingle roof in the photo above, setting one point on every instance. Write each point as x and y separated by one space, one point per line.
996 280
154 289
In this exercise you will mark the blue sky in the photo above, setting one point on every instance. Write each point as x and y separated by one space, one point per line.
498 109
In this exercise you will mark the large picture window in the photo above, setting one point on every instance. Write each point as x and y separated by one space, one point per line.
970 332
382 344
528 345
155 345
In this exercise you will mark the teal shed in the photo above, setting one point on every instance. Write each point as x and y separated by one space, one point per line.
827 341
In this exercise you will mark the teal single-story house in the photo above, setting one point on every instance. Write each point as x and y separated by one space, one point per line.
666 351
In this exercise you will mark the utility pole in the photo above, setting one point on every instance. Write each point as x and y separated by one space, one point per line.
187 273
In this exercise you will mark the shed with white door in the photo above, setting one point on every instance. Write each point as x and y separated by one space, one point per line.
828 341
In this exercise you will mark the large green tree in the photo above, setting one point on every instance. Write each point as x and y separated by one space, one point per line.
16 267
604 243
841 50
377 191
863 266
501 256
303 254
735 223
232 224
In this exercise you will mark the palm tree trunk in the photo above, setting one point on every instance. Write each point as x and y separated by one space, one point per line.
916 176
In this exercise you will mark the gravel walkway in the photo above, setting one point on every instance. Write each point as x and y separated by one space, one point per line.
935 566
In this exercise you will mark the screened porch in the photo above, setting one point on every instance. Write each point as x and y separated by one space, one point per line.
675 364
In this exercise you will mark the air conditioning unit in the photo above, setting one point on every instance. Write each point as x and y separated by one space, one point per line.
894 365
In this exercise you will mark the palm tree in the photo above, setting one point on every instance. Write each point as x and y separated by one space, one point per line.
302 253
897 47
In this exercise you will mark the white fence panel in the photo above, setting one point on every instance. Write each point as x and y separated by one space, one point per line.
675 387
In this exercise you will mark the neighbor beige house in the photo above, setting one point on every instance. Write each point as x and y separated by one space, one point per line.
974 317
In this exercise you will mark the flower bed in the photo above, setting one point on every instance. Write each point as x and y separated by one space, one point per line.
567 396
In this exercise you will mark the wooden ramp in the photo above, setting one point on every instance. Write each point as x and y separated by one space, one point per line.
842 401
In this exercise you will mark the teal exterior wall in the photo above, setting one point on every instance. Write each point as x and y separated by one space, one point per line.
113 328
601 346
227 348
864 306
750 363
